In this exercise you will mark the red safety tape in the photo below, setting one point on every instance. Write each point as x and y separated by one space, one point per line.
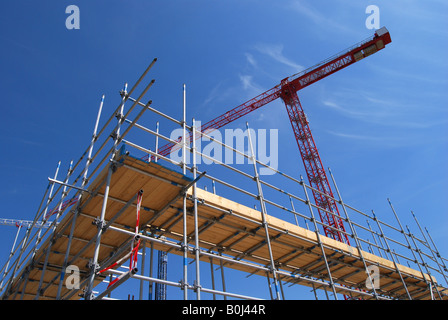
112 282
133 255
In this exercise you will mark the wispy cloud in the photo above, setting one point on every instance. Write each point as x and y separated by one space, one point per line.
317 17
275 51
250 58
250 85
379 138
214 93
355 136
19 44
386 113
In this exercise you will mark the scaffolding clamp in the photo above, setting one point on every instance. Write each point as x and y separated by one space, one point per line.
94 267
196 286
183 284
101 224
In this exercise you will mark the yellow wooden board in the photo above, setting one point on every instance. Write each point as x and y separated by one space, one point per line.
224 225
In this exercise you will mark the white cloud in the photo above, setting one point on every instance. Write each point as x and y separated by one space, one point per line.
250 86
250 59
275 51
213 94
386 113
355 136
319 19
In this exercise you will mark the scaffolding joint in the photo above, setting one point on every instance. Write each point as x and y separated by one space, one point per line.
115 136
85 295
101 224
183 285
196 286
183 247
93 267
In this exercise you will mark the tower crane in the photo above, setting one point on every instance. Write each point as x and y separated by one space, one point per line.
287 91
24 223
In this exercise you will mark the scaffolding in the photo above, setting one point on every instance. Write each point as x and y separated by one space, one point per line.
102 217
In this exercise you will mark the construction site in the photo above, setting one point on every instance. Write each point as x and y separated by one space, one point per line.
127 209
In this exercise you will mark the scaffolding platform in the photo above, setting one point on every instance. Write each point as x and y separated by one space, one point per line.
105 215
227 230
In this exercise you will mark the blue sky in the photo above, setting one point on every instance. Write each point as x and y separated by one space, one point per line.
381 124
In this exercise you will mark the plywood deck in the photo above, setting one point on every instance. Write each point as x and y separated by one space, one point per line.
231 227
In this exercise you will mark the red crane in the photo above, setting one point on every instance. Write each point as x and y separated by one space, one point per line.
287 91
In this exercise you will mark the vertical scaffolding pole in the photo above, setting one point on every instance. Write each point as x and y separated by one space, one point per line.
38 238
196 222
409 245
94 263
374 239
140 297
316 230
184 170
263 214
437 251
11 254
429 247
293 209
100 223
44 216
157 141
431 284
354 235
25 241
151 262
184 132
76 212
212 274
22 248
47 254
184 286
391 254
223 280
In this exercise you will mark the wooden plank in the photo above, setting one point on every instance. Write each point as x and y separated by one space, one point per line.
223 224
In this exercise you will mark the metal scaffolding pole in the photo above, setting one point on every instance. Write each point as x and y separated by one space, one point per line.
94 263
437 252
27 240
151 262
212 275
223 280
431 285
53 236
429 247
185 239
100 224
77 210
391 254
355 236
263 215
195 212
11 254
410 248
240 253
192 250
316 230
142 272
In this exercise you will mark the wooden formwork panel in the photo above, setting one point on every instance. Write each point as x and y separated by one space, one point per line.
226 226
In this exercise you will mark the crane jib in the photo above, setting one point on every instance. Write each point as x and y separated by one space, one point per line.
287 91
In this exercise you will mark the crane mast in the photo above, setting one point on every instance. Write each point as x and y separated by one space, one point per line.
287 91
